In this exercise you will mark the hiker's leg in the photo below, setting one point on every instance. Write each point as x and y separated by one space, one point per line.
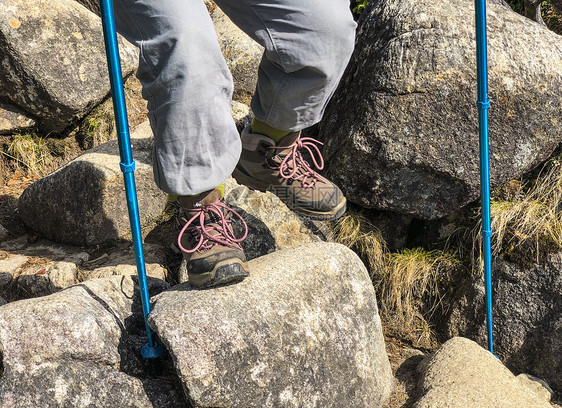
307 47
188 88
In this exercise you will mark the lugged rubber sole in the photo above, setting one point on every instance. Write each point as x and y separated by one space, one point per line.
225 272
255 184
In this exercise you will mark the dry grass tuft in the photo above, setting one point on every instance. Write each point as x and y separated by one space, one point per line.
407 282
356 232
411 280
30 153
34 155
530 217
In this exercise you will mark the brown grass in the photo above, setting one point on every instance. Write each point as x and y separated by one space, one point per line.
356 232
406 282
29 152
528 217
412 277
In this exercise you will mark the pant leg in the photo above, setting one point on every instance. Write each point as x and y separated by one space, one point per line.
308 44
188 88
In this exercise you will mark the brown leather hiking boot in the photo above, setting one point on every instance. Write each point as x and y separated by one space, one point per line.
281 168
213 254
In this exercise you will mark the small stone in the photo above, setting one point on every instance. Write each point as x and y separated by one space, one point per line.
13 119
9 266
153 270
40 279
79 258
122 261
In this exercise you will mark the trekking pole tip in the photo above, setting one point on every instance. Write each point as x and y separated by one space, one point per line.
150 352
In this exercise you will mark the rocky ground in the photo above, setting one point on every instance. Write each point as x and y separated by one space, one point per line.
316 324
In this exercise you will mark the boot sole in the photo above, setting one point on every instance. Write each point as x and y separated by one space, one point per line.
225 272
255 184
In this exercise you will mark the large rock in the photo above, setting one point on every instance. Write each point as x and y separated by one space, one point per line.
241 53
83 203
461 374
13 119
80 348
53 59
527 306
401 132
303 330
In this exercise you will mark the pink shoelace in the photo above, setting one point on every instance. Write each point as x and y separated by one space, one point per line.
223 231
296 167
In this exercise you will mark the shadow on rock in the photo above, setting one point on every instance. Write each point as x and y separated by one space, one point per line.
158 376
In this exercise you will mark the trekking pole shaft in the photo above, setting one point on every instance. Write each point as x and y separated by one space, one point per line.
127 164
483 106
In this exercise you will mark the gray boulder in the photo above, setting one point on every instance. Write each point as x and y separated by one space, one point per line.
13 119
83 203
538 386
241 53
461 374
303 330
527 305
271 224
3 301
4 233
53 59
401 132
80 348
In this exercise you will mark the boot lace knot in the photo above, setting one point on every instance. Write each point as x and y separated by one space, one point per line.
211 225
294 166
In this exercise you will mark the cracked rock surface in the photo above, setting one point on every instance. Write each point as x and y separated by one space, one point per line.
401 132
302 330
80 348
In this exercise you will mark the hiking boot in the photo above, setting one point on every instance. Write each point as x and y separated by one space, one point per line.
213 254
281 168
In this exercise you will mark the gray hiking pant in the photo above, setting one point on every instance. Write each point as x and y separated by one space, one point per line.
189 88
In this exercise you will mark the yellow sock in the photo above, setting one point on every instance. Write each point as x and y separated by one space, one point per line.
221 189
173 197
263 128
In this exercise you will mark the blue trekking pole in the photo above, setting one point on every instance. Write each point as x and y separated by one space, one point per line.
151 349
483 106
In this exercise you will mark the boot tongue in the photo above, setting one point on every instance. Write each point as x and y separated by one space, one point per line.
199 200
288 140
279 154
